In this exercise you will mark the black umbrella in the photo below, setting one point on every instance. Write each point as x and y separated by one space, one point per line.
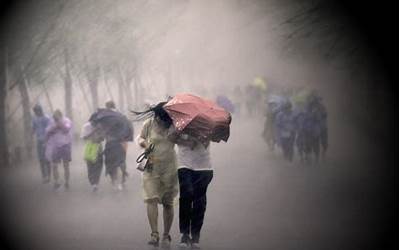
115 124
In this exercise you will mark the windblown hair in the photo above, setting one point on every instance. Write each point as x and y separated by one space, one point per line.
154 111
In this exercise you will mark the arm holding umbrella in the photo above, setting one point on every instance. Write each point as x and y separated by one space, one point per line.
186 140
182 139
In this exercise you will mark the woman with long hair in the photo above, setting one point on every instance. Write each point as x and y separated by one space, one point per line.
160 181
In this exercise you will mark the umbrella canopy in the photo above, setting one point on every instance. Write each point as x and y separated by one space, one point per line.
199 117
115 124
225 103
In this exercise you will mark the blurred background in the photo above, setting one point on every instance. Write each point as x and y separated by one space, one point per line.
75 55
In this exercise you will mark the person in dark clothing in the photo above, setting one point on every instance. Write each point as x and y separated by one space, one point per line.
323 124
39 125
115 161
117 130
312 131
286 130
195 174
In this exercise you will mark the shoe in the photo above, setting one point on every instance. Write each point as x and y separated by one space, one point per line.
120 187
185 242
94 188
195 245
154 240
166 241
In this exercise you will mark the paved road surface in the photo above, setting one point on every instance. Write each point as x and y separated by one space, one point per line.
255 201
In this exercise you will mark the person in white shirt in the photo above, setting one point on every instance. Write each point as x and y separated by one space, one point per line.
195 174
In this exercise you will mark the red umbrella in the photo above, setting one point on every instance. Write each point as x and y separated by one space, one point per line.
199 117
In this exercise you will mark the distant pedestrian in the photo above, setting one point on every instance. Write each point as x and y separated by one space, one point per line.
315 127
300 117
286 130
116 146
58 147
93 153
39 124
323 124
269 127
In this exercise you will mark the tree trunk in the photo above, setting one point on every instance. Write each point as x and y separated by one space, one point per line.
47 96
120 89
3 88
136 91
92 75
94 91
68 86
26 114
84 96
128 91
137 88
105 78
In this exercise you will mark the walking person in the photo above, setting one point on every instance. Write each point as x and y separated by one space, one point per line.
117 135
58 147
286 130
323 124
160 181
39 124
195 174
315 122
269 128
93 153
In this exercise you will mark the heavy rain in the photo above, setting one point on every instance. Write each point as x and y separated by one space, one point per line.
296 150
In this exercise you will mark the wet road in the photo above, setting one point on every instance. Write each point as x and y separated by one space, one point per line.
255 201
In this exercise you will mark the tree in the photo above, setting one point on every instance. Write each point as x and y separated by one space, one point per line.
92 71
26 112
68 86
4 162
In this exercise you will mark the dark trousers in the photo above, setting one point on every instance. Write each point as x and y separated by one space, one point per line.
44 163
94 170
193 200
115 157
324 140
287 147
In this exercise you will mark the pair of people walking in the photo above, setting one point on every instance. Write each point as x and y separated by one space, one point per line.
162 182
110 125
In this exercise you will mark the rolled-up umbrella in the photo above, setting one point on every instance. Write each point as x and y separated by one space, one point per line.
199 117
115 124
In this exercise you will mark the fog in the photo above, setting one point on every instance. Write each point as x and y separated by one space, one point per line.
139 52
